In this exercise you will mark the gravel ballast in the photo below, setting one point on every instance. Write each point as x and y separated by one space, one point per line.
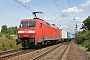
75 53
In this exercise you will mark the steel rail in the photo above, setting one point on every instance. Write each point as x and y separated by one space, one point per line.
13 54
60 56
45 53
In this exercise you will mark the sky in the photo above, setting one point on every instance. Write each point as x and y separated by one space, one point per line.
59 12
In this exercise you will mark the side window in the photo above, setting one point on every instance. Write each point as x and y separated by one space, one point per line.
40 25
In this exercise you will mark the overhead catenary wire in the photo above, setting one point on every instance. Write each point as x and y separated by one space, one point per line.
31 10
52 6
61 13
59 9
48 4
38 6
25 6
71 10
43 8
28 7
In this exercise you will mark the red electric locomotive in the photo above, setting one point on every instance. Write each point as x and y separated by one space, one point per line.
36 32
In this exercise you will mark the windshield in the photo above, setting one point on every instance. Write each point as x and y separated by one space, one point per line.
28 24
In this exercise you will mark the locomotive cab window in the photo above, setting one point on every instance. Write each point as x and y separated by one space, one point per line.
28 24
40 25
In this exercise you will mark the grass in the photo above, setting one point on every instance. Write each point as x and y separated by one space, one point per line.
8 44
85 50
82 47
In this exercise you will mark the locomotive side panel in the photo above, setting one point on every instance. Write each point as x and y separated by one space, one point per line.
51 33
39 32
46 32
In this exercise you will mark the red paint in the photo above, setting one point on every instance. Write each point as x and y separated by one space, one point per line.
45 32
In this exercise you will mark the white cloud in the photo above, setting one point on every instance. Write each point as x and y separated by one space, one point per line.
49 18
87 3
71 11
25 1
83 19
76 18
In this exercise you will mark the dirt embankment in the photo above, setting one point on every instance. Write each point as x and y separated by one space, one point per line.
75 53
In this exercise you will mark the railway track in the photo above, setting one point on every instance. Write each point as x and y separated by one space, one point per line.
55 53
9 51
12 53
45 53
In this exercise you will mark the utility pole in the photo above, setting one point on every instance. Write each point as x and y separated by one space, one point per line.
76 31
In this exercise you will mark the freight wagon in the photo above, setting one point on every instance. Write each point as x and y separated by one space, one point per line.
66 35
63 35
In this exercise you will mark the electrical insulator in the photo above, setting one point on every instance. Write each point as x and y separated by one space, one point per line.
76 26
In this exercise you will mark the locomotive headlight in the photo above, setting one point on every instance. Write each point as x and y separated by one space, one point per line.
19 35
32 35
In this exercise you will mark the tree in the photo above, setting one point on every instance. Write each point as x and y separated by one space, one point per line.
3 29
10 30
86 24
14 30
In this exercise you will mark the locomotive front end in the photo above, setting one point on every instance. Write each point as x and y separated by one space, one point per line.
26 33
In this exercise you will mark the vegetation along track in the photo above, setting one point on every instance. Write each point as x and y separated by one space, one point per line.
43 54
55 53
12 53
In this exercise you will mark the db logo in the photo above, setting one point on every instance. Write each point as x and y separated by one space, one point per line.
25 31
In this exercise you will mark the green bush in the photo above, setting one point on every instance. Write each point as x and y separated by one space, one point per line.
0 34
88 47
83 39
10 45
3 47
82 36
8 36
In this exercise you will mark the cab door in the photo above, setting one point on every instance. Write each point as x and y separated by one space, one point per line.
41 32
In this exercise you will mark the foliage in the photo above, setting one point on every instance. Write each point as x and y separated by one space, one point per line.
8 36
10 45
9 31
83 39
3 29
81 36
86 24
0 34
13 30
8 42
3 47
